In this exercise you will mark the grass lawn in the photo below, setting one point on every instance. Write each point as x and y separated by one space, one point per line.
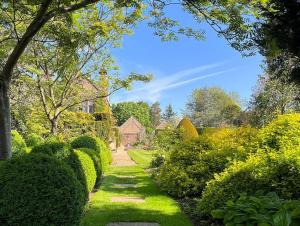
157 207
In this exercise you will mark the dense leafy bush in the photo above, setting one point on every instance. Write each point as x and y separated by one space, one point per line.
190 165
19 146
98 146
281 133
260 210
88 168
97 164
166 139
63 152
188 129
33 139
53 147
39 190
266 172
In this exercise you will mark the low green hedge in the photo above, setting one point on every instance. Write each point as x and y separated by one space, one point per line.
265 172
19 146
97 164
38 189
97 145
87 165
63 152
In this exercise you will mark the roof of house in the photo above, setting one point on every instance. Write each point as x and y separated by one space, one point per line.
132 125
163 125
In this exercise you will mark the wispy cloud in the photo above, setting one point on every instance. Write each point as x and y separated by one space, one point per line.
153 91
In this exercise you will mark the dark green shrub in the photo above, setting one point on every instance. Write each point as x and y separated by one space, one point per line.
266 172
88 168
98 146
63 152
97 164
19 146
55 148
157 160
188 129
260 210
33 140
38 190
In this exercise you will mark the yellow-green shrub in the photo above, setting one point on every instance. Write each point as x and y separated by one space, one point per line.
188 129
267 172
98 146
97 164
19 146
281 134
88 169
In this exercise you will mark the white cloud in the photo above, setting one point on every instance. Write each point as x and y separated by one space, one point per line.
153 91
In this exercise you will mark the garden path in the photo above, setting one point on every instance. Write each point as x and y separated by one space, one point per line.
117 203
121 158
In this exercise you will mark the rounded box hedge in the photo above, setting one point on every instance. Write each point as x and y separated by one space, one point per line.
38 189
97 145
63 152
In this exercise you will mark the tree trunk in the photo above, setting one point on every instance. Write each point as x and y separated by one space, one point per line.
54 126
5 126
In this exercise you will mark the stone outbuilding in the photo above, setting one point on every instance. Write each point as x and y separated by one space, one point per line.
132 131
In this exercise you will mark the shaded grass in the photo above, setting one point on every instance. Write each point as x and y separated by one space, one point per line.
158 207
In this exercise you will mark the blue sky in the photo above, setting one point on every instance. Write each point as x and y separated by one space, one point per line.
180 67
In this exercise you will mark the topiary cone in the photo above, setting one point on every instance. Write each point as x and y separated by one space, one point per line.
188 129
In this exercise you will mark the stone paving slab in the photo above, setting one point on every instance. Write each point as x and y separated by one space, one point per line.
133 224
127 199
125 185
121 158
126 177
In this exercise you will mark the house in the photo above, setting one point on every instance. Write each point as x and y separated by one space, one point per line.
132 131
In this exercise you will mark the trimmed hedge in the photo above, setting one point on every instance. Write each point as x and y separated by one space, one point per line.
39 190
88 168
266 172
188 129
19 146
98 146
97 164
63 152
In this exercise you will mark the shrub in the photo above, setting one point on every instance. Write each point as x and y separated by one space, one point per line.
190 165
260 210
266 172
39 190
97 164
88 168
188 129
33 139
186 171
166 139
63 152
19 146
55 148
281 133
98 146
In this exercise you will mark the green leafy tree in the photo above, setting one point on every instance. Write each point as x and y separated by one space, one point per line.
169 114
155 114
210 107
272 96
140 110
20 23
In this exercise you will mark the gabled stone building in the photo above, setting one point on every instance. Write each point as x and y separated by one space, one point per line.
132 131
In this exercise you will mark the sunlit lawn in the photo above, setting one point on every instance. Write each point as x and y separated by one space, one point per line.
158 207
